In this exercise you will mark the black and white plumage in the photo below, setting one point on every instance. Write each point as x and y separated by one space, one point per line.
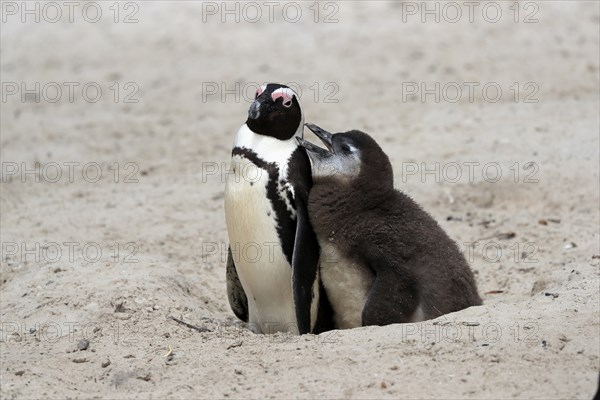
272 267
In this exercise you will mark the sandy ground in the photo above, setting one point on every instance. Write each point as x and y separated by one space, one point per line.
104 262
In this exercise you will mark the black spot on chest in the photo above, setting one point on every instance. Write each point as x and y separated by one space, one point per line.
276 192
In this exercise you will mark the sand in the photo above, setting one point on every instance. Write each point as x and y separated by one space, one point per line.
94 267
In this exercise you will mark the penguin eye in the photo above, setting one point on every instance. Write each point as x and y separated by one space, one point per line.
345 148
287 103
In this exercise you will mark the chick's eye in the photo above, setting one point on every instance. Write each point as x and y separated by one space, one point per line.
346 148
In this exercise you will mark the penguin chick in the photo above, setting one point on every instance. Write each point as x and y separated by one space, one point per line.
384 260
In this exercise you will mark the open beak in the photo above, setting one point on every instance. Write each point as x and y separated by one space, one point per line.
311 148
322 134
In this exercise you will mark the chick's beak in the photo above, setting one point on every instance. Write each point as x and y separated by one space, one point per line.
326 137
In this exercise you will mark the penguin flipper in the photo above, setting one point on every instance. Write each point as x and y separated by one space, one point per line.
305 263
235 291
393 298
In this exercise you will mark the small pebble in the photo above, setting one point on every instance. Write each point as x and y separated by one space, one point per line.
507 235
236 344
83 344
105 363
146 377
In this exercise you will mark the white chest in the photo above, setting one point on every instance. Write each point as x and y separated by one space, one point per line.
347 284
262 267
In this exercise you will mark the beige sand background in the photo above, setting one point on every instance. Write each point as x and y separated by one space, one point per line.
158 220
